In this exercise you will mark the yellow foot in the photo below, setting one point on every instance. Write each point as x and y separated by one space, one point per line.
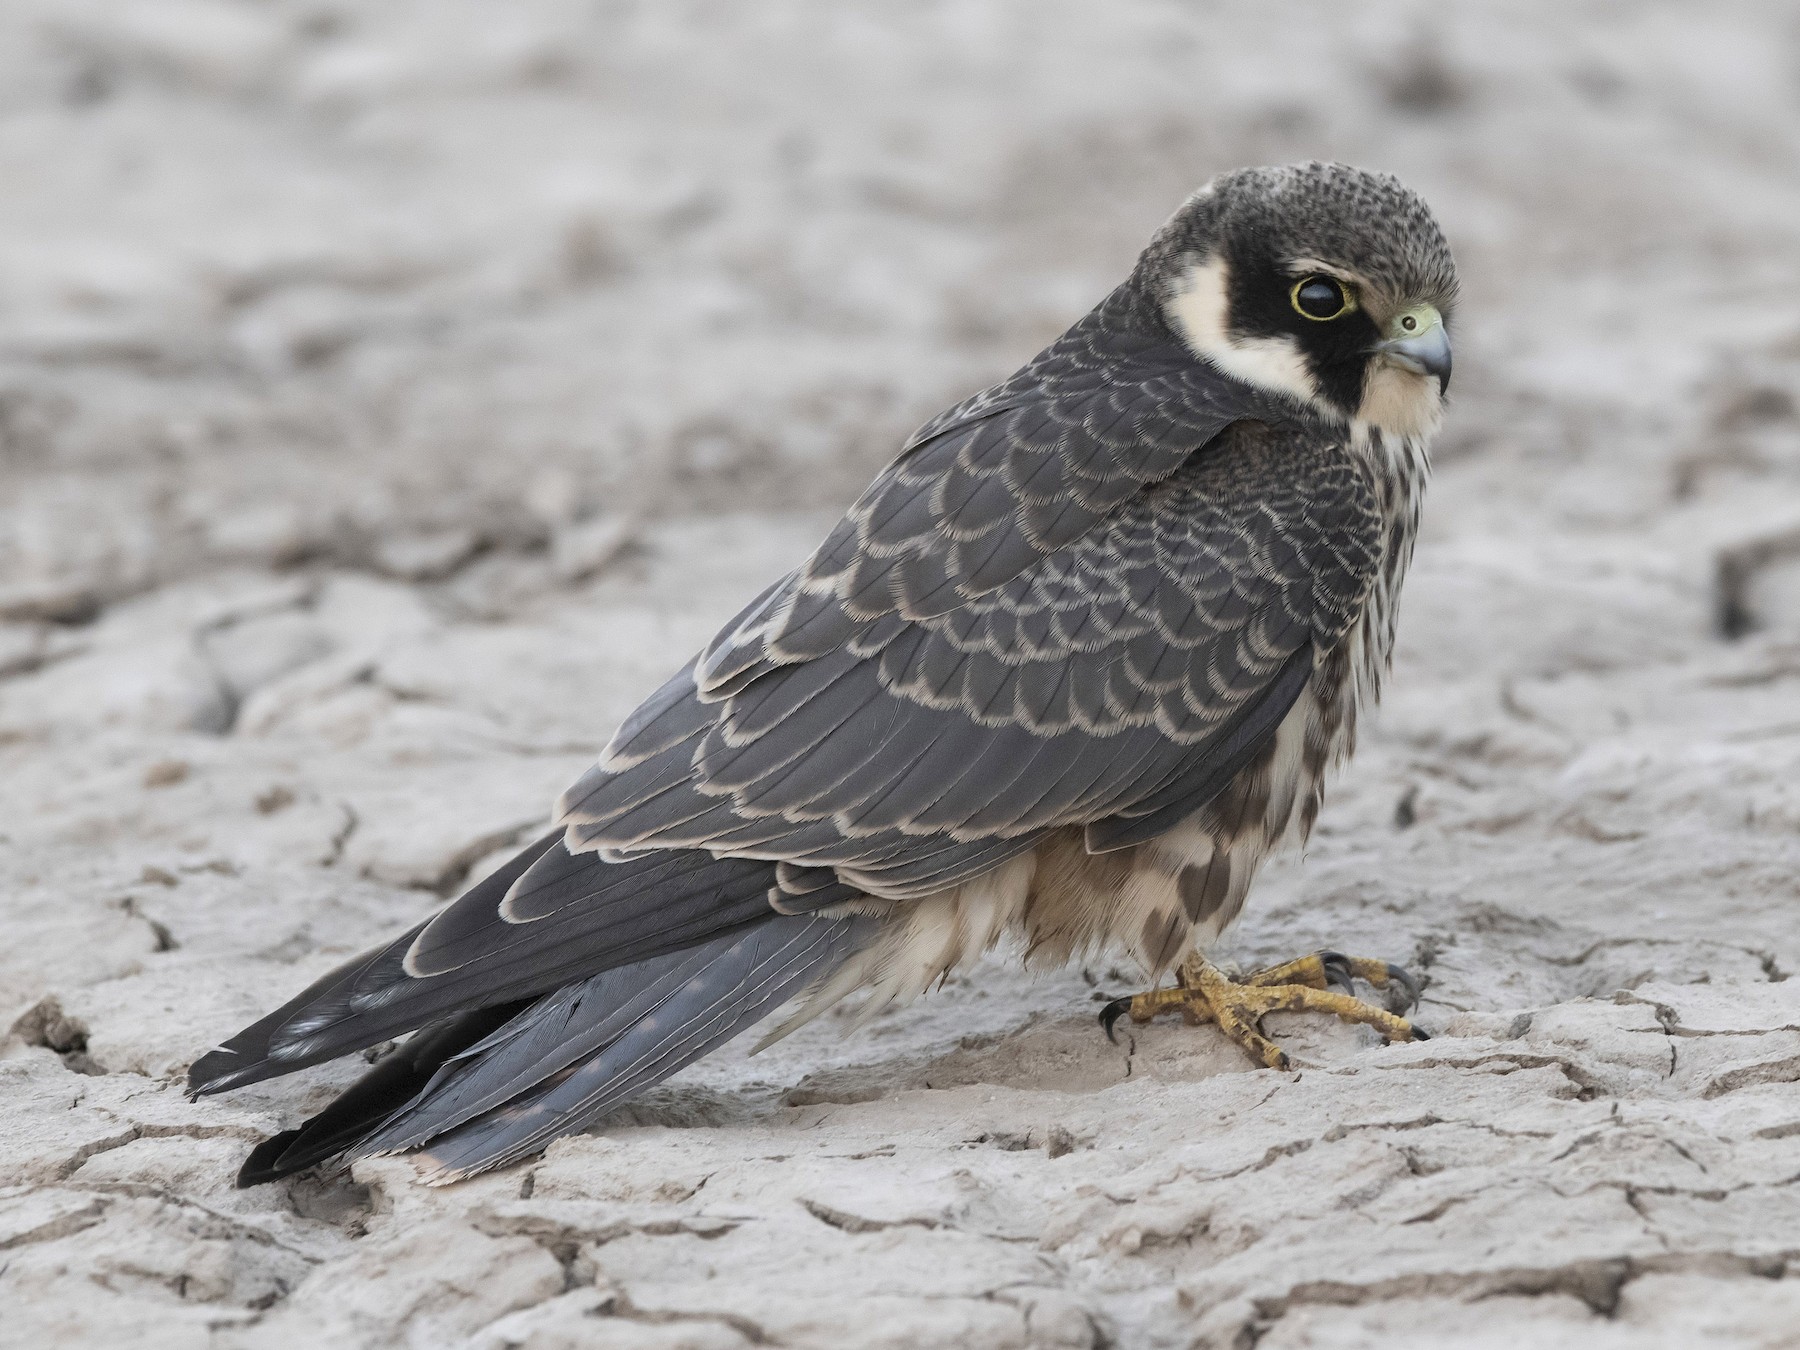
1205 994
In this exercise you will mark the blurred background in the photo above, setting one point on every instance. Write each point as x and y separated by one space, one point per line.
410 286
392 393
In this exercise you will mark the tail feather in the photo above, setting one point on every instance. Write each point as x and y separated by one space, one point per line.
743 980
614 913
375 1096
493 1086
552 990
558 1030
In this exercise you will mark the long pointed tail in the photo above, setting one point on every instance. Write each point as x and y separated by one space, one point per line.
546 919
490 1087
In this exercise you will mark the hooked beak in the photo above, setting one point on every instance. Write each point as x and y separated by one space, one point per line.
1423 353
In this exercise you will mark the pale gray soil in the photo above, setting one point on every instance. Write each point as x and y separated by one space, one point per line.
390 394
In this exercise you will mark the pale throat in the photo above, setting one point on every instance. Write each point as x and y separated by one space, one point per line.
1401 402
1396 401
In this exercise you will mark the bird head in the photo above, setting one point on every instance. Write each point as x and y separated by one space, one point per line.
1328 284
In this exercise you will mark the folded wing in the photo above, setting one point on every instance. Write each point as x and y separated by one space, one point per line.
1122 677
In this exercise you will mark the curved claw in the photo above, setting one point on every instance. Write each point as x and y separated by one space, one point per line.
1337 971
1110 1015
1403 977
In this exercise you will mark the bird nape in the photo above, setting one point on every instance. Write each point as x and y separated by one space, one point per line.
1066 672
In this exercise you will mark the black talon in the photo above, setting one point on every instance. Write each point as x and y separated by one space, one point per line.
1402 977
1110 1014
1420 1034
1337 972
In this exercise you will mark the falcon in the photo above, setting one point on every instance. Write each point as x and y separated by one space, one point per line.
1068 670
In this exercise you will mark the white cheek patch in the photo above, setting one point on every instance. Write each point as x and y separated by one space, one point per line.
1198 310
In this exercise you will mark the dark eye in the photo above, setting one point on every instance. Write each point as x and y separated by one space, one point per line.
1321 298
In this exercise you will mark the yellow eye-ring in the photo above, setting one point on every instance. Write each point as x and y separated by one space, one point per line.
1321 298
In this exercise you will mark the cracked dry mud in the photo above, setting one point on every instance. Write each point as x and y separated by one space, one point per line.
389 399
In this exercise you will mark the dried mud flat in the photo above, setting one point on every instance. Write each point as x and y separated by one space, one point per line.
389 396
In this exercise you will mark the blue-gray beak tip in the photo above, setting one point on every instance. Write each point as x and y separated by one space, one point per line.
1426 354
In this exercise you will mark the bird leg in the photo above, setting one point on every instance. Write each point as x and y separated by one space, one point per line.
1310 984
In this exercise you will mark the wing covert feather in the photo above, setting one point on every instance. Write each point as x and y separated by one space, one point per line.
1104 685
